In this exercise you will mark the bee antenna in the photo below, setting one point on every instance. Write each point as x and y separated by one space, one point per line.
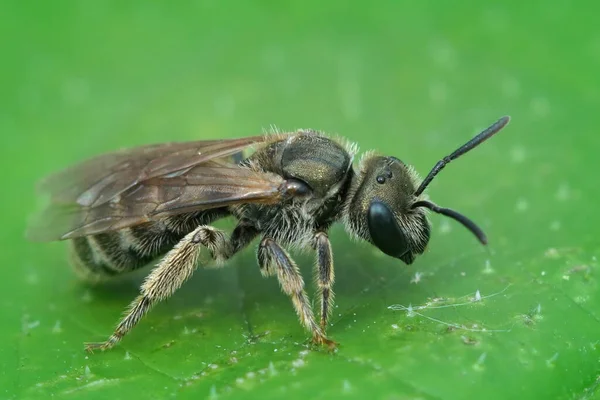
466 222
471 144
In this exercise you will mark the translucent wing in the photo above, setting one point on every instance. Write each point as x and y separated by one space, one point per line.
98 180
127 188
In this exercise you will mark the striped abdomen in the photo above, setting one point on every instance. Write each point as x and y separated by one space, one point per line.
102 256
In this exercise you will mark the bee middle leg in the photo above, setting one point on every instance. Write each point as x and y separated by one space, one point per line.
175 268
273 259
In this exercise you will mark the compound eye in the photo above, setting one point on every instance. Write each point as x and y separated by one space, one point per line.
384 230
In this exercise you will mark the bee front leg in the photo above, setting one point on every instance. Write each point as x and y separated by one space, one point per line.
272 259
324 275
175 268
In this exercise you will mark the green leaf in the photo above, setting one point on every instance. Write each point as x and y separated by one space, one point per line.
519 319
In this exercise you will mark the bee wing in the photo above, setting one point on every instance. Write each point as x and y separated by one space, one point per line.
97 181
128 188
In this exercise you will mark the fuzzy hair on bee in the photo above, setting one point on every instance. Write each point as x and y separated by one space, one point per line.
121 211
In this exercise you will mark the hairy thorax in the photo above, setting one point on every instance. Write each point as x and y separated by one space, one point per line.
324 165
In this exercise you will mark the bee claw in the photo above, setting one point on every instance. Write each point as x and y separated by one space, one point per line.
90 347
323 341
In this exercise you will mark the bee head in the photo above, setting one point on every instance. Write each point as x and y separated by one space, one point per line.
385 205
380 208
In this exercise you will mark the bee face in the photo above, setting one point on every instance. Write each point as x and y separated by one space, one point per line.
380 208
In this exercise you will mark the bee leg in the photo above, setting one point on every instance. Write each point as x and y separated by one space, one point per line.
174 269
324 276
272 259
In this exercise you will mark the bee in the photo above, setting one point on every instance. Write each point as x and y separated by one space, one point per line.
122 210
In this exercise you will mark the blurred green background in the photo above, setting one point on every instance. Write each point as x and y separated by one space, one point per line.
412 79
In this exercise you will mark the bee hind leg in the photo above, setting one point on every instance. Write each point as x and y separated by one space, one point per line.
174 269
272 260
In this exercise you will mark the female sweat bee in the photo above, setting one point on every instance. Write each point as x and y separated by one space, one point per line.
122 210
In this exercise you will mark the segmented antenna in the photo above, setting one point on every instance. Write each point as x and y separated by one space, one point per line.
466 222
471 144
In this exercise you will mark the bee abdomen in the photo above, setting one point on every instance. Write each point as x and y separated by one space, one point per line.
100 257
